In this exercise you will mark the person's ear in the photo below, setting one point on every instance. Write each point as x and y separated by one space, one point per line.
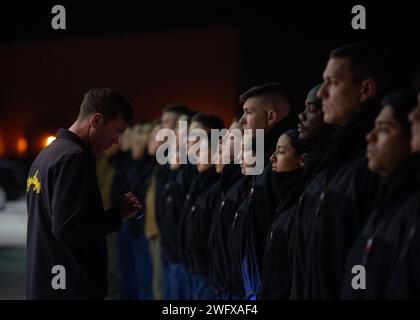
368 89
302 160
95 120
271 117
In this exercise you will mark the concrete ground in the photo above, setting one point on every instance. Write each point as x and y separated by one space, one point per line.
13 250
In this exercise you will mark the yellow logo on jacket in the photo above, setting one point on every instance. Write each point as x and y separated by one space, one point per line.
33 181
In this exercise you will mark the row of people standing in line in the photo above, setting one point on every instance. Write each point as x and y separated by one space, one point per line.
327 200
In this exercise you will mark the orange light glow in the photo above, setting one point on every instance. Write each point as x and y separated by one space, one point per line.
49 140
22 145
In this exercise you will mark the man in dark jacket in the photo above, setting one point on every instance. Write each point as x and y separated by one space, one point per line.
265 107
67 225
337 200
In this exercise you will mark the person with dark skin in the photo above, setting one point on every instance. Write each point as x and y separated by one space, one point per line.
378 248
336 202
67 224
289 178
314 133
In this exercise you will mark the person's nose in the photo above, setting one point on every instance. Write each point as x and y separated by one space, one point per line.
370 136
415 114
242 121
273 157
322 92
302 116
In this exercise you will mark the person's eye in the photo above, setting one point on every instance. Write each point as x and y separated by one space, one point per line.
384 129
311 110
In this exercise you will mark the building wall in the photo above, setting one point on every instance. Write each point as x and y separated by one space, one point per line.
42 83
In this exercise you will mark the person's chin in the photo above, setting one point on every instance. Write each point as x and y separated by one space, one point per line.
303 134
415 144
372 166
328 118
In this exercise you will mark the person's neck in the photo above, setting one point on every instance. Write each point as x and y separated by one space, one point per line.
81 130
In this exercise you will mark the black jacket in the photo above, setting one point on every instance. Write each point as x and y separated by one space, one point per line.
67 224
277 273
404 282
336 205
163 176
197 221
234 187
382 242
313 164
255 223
175 191
236 241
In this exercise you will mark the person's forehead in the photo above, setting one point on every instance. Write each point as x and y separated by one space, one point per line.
337 66
386 114
283 141
196 125
253 103
167 115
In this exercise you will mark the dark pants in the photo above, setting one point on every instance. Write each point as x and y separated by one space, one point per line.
175 281
135 265
200 287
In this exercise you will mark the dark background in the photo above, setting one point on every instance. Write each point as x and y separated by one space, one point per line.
202 53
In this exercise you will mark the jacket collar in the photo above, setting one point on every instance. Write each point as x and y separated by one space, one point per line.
69 135
272 135
349 140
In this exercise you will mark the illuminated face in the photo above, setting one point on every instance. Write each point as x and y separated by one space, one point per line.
414 118
285 158
247 155
387 146
254 116
311 122
193 140
227 148
169 120
218 161
204 157
340 94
